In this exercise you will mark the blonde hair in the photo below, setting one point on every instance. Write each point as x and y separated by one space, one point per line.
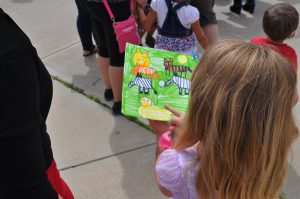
241 112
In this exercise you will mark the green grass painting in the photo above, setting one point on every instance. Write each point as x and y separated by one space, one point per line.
153 78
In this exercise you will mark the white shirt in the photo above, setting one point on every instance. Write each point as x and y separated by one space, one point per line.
187 14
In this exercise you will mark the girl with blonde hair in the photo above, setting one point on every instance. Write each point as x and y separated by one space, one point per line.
236 135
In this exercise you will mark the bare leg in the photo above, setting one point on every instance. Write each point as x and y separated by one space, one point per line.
116 80
212 32
103 64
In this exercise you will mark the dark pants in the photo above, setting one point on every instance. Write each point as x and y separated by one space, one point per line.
207 14
239 2
85 27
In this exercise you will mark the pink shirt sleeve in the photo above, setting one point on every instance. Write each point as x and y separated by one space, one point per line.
176 172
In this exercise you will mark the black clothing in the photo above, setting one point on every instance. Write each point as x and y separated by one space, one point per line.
172 27
107 43
26 94
207 14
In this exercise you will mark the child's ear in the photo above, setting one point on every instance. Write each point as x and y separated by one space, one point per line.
292 35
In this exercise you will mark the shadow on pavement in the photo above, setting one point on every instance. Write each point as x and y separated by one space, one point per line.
91 78
243 26
246 26
22 1
223 2
138 180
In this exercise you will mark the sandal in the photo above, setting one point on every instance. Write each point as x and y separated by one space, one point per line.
87 53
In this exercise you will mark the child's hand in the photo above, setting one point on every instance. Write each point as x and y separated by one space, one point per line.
177 120
159 127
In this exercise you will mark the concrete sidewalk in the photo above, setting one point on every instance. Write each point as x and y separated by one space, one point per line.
99 155
102 156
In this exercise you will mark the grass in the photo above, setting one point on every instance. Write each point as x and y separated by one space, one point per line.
98 101
282 196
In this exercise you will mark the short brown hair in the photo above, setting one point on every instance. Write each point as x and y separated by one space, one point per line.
280 21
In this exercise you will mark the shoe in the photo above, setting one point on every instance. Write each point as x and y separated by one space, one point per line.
87 53
249 8
150 41
108 94
116 108
236 9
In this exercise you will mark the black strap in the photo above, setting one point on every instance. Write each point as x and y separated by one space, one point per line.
179 5
172 27
169 4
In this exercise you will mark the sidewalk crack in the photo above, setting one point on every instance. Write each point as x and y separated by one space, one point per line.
59 50
105 157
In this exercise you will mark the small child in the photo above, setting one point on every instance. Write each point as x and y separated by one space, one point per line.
280 22
178 26
178 31
239 119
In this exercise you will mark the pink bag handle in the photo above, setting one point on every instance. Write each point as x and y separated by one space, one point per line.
112 17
